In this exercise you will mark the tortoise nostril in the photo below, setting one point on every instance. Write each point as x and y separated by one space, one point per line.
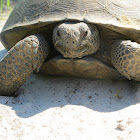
70 42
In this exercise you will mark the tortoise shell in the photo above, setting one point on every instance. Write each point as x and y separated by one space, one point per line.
28 15
32 15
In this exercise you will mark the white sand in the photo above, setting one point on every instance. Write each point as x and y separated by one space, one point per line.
58 108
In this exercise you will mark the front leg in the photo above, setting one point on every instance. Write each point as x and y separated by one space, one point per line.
125 57
19 63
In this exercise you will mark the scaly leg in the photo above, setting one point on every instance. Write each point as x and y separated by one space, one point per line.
125 56
19 63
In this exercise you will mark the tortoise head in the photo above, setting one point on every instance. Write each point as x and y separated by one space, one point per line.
75 40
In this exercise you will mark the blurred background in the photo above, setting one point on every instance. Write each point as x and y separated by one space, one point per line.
6 6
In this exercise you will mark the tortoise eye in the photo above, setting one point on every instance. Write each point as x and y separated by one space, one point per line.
85 34
58 33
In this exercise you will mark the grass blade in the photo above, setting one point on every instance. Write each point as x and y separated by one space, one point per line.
1 6
8 3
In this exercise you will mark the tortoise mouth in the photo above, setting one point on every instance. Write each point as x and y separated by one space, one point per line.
58 55
74 53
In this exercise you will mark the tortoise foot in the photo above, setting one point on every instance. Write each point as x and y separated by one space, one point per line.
20 62
126 58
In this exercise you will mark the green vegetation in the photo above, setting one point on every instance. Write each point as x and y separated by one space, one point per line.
6 5
117 95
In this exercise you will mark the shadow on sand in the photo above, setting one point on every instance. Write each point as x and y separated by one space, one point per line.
40 93
2 53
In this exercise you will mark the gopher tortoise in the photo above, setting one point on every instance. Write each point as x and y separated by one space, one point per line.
84 38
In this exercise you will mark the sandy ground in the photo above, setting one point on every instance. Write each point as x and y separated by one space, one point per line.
59 108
